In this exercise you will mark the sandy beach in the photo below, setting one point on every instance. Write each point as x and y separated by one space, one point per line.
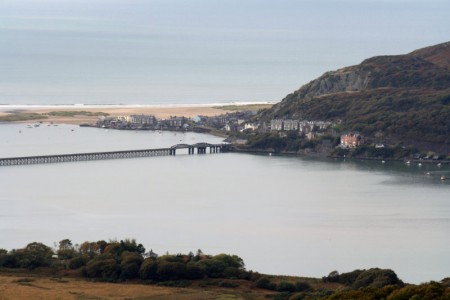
158 111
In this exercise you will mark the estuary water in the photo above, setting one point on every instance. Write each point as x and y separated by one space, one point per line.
282 215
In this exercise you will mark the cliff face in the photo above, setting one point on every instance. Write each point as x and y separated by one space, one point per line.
343 80
426 68
382 90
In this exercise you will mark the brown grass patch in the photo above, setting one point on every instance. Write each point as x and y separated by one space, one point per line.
14 286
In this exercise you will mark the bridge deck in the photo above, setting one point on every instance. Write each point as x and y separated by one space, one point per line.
44 159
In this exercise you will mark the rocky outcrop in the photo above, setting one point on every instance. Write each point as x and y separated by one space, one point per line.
426 68
343 80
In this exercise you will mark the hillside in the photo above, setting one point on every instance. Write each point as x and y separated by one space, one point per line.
405 97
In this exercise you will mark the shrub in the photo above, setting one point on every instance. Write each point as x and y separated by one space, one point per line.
170 270
77 262
233 261
129 271
285 286
212 268
103 266
193 271
265 283
428 291
8 260
301 286
376 278
231 272
148 269
131 257
350 277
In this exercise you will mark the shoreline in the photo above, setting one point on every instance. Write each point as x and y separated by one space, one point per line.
77 106
159 111
331 157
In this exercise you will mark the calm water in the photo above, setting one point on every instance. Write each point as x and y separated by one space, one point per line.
282 215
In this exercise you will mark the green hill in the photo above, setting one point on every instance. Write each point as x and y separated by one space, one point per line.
405 97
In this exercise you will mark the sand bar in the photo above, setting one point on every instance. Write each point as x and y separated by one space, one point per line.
158 111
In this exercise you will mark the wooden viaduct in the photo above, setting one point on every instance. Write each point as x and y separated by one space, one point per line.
58 158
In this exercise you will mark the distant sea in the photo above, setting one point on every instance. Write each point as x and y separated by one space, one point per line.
9 107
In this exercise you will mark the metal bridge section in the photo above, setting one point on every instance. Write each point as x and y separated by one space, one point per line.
201 148
47 159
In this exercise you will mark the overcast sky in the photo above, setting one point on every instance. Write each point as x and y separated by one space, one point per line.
197 51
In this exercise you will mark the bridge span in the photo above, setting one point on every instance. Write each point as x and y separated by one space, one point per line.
58 158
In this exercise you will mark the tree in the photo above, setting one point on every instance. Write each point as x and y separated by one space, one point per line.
90 249
230 260
66 249
34 255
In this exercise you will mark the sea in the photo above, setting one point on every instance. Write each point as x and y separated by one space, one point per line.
282 215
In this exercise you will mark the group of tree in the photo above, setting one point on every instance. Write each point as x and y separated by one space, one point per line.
123 260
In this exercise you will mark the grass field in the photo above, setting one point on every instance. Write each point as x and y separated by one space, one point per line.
40 287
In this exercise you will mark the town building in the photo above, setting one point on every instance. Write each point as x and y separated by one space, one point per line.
142 119
351 140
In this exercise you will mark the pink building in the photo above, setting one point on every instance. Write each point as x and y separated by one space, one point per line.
351 140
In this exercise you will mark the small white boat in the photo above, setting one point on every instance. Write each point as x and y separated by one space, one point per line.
408 162
439 164
419 164
443 178
383 161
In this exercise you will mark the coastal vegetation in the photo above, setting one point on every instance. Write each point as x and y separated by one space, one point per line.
244 107
21 116
127 261
73 113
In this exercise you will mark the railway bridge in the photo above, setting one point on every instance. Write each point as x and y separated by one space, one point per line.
58 158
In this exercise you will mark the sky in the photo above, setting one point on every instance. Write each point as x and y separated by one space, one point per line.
197 51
